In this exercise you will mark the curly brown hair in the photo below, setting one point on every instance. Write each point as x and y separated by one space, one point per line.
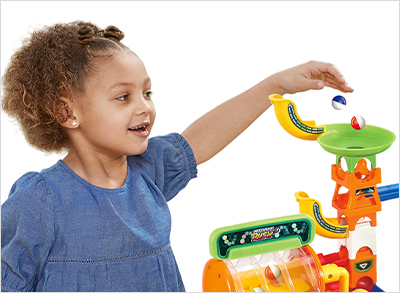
52 62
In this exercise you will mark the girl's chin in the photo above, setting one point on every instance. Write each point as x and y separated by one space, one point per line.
138 150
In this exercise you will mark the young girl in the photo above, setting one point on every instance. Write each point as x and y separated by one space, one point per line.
98 220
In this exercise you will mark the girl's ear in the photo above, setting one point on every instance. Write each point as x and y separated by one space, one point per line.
63 111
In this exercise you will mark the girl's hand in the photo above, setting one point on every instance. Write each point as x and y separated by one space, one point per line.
313 75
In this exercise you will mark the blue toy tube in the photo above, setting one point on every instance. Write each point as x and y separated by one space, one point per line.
388 192
376 288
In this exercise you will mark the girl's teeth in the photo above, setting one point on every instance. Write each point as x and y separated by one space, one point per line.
138 127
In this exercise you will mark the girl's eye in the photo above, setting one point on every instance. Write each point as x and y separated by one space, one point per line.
148 94
123 98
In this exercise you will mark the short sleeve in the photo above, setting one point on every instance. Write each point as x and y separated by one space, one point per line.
174 162
27 233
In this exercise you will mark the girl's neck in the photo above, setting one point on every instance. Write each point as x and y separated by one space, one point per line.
98 170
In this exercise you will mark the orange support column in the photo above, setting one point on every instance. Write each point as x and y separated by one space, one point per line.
362 198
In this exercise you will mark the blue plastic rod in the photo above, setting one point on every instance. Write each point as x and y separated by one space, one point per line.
388 192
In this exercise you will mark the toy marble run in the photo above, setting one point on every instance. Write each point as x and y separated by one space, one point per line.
274 254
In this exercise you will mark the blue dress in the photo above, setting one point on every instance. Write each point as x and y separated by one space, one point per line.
61 233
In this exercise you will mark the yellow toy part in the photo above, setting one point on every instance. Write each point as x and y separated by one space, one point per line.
334 273
286 113
326 227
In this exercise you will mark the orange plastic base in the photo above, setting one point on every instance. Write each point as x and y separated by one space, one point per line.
363 280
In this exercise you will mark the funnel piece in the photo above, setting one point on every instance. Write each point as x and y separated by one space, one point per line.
344 141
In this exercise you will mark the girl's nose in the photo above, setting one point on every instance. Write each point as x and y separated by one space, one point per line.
142 106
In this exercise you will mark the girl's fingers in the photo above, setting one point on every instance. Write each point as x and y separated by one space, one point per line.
342 87
327 68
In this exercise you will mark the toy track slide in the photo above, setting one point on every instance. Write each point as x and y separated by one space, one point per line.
286 113
326 227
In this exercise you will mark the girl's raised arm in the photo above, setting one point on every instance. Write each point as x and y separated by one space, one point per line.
216 129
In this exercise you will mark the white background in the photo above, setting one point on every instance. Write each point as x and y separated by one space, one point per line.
199 54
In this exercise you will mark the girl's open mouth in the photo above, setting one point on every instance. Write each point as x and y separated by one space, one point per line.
140 130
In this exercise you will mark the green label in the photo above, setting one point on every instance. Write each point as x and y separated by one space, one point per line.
261 237
364 266
299 229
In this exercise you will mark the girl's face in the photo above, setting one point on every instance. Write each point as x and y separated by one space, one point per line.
116 114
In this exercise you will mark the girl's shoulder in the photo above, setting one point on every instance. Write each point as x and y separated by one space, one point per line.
157 148
164 146
167 150
166 140
29 190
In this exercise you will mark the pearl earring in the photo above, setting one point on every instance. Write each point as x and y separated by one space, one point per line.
74 123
